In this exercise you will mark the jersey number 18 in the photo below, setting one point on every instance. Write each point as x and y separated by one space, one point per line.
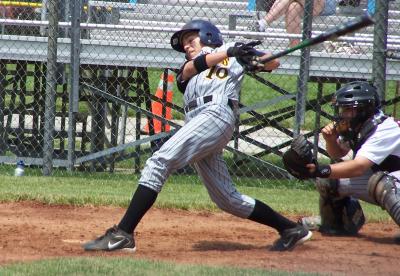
219 72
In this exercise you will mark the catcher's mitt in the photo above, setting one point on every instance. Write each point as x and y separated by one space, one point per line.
297 157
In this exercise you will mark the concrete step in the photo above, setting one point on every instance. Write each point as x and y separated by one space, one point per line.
179 11
319 24
238 5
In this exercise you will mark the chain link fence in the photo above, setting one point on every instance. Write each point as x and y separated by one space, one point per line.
89 85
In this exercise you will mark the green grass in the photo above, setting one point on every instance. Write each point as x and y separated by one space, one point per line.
125 266
182 192
292 198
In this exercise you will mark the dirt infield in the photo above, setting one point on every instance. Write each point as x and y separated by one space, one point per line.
31 231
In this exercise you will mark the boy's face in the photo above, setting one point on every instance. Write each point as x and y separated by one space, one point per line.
191 44
345 116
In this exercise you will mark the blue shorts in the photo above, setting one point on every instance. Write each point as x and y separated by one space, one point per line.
329 8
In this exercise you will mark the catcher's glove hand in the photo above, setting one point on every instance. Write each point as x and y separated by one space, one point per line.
297 157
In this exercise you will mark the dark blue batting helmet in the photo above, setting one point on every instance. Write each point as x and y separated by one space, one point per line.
209 34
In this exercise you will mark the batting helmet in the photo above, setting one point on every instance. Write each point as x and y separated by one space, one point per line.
363 100
209 34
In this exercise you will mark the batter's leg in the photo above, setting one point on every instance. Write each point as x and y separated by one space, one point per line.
201 136
215 176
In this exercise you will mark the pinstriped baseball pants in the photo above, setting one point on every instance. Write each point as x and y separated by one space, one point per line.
200 141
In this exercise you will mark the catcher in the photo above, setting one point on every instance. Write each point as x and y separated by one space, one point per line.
210 79
372 175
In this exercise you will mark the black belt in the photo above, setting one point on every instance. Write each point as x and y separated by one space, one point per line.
193 104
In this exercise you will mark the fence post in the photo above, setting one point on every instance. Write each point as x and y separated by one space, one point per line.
74 79
302 80
51 84
380 44
3 139
43 16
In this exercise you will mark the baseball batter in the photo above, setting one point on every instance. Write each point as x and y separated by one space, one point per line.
210 79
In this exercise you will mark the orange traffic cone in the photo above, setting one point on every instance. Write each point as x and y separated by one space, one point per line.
156 107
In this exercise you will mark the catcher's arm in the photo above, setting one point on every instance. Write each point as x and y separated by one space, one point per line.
334 149
345 169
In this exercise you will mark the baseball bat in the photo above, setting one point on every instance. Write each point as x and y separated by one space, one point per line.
331 34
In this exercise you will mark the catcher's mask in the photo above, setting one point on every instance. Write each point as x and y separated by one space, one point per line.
209 34
354 104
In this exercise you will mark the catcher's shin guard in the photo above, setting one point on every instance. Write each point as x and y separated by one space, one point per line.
339 216
382 188
353 216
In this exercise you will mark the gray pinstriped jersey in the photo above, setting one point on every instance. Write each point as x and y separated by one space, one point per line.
207 130
223 79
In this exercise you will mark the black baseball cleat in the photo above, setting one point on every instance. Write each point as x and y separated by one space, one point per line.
291 237
113 239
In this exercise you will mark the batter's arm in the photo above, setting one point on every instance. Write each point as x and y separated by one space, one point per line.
189 70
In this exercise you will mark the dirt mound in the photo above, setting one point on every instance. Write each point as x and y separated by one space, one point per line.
31 231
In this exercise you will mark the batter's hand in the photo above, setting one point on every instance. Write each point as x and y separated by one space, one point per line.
329 133
251 63
242 49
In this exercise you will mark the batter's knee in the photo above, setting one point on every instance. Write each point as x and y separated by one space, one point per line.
238 205
154 174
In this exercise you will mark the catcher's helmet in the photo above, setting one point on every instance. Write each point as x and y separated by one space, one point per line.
357 93
354 103
209 34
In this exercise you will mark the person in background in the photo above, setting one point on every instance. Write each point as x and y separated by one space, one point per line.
293 10
264 5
